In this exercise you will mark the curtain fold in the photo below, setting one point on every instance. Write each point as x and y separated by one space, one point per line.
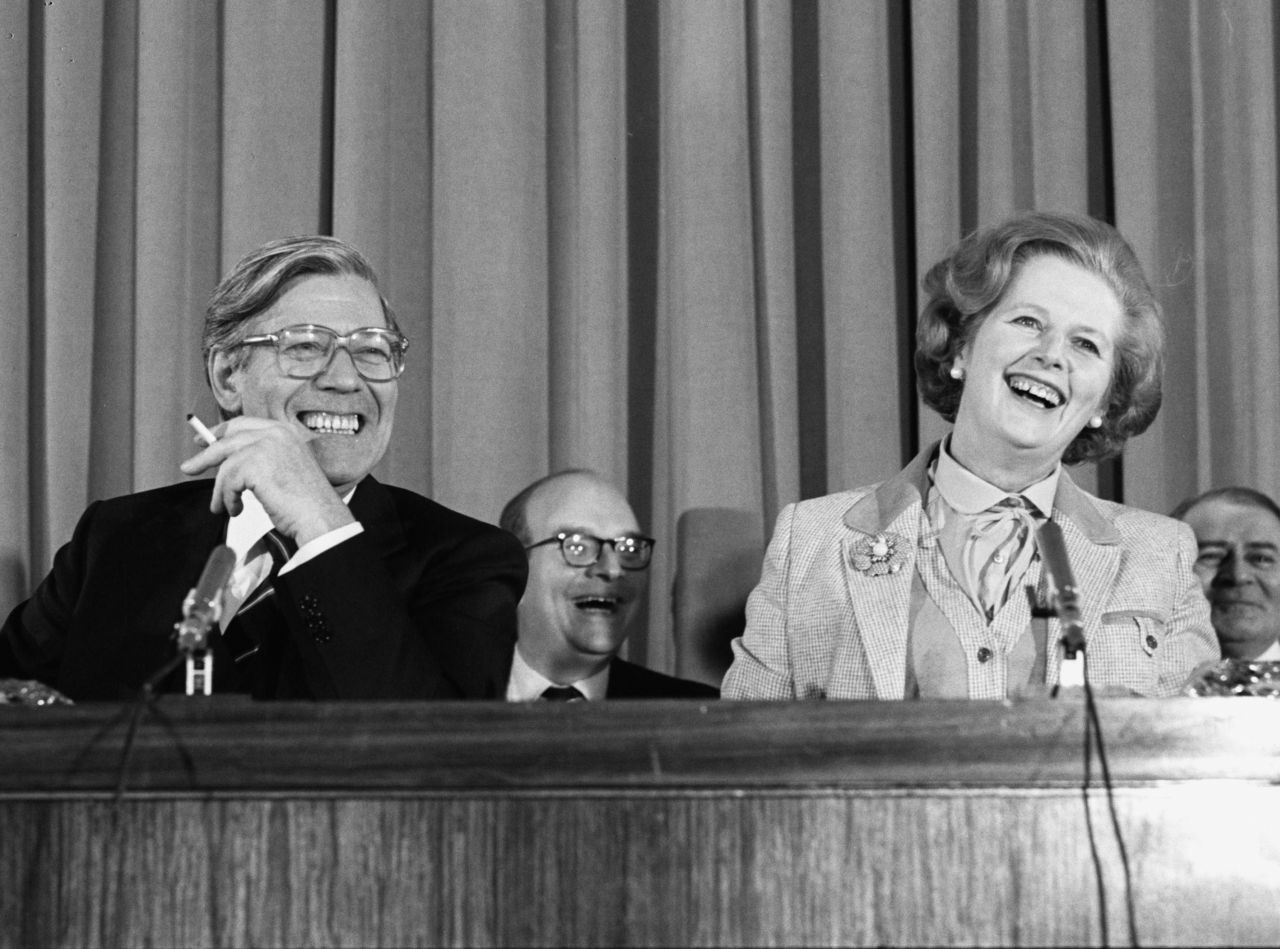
771 157
382 191
489 423
21 520
679 243
68 71
276 136
587 387
1195 158
705 400
863 337
175 258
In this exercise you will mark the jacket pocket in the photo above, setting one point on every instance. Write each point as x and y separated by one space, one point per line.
1134 641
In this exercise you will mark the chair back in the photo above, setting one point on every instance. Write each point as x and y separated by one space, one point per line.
719 551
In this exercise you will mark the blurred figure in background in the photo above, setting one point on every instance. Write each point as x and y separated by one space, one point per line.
1238 534
588 571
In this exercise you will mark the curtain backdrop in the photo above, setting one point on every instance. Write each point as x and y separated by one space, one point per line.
677 242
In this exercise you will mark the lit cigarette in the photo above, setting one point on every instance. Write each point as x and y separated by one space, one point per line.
201 429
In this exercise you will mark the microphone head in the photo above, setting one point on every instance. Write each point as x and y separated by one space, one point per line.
1066 595
1053 553
203 605
217 571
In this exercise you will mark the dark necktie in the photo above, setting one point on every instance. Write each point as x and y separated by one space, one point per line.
247 630
562 693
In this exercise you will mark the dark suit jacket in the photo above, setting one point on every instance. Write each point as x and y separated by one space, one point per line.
630 681
422 604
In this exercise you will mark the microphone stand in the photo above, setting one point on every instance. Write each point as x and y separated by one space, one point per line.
200 610
193 641
192 635
1071 624
1065 606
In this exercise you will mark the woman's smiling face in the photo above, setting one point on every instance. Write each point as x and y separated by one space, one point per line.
1038 368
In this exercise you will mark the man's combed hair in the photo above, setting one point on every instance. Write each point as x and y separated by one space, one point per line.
1241 497
261 277
962 289
514 517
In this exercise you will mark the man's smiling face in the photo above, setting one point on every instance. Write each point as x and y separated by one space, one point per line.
574 618
349 417
1239 569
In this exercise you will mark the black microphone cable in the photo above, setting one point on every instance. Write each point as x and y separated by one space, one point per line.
1051 546
1098 876
200 610
1092 737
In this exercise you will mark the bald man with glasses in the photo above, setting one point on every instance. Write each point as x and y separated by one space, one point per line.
342 587
588 572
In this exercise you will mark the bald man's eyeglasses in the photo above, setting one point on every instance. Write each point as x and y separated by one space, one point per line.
582 550
306 350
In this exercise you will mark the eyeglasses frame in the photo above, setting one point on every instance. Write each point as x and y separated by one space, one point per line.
561 537
399 346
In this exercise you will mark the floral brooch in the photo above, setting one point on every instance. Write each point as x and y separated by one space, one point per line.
878 555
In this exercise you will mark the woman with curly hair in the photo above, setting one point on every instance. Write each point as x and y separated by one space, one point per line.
1042 342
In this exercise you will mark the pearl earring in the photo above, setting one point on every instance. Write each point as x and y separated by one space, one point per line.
1095 422
957 373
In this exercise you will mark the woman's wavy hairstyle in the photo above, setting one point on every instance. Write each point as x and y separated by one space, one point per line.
964 287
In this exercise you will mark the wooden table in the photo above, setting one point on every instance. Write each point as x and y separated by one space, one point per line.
638 823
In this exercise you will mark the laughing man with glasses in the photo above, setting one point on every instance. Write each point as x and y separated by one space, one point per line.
343 587
588 572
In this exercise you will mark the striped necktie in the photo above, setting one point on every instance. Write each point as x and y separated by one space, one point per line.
240 634
281 549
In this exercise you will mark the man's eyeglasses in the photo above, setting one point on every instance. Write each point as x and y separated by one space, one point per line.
305 351
582 550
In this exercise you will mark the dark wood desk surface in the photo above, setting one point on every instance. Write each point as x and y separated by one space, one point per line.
231 744
653 823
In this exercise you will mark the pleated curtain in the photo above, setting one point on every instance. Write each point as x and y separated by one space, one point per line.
678 242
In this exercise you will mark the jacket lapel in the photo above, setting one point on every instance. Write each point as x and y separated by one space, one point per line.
1093 549
882 601
169 548
373 506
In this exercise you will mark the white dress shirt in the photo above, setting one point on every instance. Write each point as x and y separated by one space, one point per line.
1272 654
527 684
253 560
958 497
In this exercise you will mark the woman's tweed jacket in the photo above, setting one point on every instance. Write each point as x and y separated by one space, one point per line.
819 628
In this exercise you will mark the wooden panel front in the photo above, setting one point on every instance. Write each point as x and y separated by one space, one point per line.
637 869
738 825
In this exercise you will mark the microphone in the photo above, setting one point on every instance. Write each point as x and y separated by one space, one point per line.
1066 601
200 610
203 605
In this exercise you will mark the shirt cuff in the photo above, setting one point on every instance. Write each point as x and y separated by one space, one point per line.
315 548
